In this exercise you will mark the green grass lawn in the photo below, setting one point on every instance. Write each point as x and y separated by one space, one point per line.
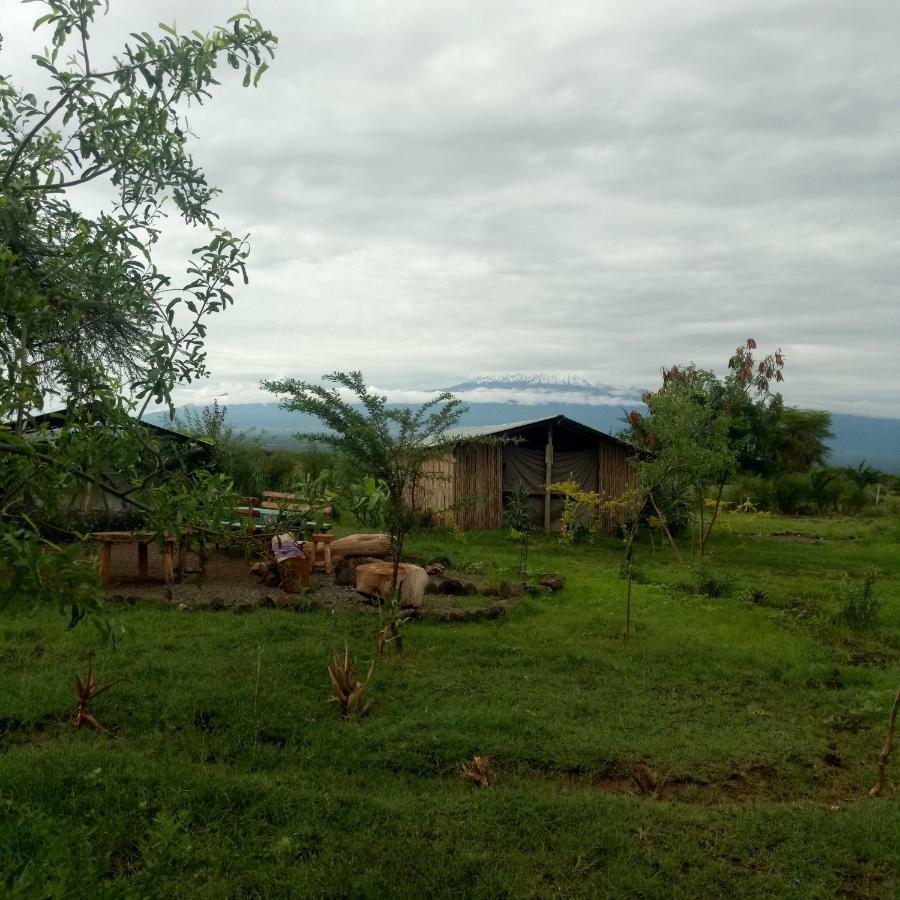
765 715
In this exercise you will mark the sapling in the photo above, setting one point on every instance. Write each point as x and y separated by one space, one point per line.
519 518
878 789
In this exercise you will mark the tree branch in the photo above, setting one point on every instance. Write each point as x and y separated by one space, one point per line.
31 134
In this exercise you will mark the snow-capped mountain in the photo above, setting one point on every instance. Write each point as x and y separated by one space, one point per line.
538 387
500 398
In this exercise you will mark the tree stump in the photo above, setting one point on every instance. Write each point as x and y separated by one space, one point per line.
374 580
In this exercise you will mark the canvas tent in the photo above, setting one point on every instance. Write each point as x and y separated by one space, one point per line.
469 484
179 452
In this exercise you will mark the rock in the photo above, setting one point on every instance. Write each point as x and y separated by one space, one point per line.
265 603
243 607
287 601
552 581
344 572
442 561
183 607
435 569
536 590
490 591
452 586
345 569
217 605
510 589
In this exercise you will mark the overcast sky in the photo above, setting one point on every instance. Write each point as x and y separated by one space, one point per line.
437 189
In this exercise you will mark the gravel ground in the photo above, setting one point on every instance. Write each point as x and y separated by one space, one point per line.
228 585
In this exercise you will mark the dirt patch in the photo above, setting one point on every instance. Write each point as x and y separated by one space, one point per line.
755 783
229 586
795 536
17 731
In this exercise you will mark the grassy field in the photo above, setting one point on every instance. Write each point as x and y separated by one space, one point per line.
765 714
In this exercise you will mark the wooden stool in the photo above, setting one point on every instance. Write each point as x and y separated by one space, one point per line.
325 540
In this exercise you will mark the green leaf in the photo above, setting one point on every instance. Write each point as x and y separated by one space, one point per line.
259 73
247 77
169 29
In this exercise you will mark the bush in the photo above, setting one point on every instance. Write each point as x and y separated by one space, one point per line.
755 488
756 596
710 582
676 506
859 605
792 494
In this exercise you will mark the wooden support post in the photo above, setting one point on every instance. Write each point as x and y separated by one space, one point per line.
143 565
168 561
105 554
183 543
548 459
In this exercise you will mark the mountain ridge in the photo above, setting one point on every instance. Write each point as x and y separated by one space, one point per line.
501 398
856 438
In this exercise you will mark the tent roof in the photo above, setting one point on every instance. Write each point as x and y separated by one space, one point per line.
57 419
459 435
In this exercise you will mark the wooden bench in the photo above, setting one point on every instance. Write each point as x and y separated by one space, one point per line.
143 539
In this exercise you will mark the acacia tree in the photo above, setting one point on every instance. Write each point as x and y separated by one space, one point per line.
389 443
87 319
699 429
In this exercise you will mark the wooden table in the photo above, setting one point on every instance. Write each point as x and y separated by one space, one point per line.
143 539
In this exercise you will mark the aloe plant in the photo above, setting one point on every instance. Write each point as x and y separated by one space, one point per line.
480 771
346 688
86 691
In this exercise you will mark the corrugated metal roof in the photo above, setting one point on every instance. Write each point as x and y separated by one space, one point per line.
457 435
57 419
463 433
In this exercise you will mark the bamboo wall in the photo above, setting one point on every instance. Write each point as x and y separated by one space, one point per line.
616 476
434 491
478 485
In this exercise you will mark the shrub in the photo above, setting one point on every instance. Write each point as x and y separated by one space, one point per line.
792 494
755 488
710 582
859 604
676 506
756 596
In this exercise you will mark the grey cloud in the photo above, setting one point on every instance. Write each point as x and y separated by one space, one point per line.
602 188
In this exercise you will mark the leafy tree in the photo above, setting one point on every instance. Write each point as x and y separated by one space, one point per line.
861 477
700 430
391 444
82 295
801 438
86 317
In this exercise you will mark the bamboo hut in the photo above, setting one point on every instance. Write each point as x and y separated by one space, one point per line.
469 484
